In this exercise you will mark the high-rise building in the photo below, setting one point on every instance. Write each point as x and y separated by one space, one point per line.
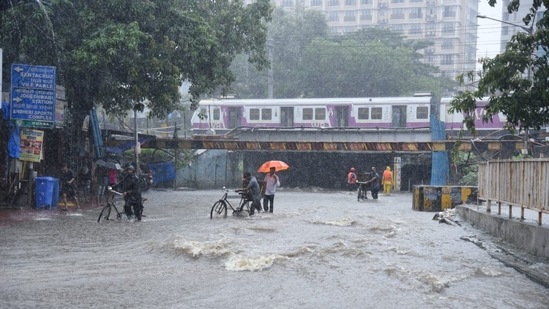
450 24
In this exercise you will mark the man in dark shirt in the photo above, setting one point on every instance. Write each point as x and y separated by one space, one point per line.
68 186
130 187
254 191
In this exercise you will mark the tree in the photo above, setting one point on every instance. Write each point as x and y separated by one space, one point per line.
516 81
307 62
117 53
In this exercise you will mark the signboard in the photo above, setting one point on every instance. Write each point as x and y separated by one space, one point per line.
33 95
31 145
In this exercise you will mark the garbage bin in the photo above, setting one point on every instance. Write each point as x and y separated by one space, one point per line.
46 192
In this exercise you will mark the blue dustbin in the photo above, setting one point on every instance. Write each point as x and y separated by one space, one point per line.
46 192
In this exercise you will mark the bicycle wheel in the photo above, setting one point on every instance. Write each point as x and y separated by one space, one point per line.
219 209
245 206
105 213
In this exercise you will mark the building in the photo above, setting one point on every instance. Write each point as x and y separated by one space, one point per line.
450 24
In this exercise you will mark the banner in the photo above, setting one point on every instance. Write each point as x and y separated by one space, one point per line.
31 145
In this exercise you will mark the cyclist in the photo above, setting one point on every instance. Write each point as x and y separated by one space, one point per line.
130 187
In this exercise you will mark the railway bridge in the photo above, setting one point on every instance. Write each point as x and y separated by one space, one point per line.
321 157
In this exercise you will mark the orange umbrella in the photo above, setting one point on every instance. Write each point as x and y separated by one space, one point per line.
278 165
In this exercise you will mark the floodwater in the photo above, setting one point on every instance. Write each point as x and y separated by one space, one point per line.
317 250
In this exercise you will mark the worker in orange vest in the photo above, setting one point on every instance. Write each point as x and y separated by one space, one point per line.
351 179
387 181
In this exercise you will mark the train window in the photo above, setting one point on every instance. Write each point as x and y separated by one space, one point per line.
308 114
216 114
320 113
204 112
266 114
254 113
422 112
377 112
363 113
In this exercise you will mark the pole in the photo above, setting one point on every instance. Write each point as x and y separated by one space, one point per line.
271 78
136 154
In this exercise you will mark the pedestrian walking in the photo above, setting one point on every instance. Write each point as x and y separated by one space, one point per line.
271 181
375 181
68 186
387 180
351 179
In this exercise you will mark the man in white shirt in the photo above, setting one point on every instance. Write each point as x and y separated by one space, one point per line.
271 182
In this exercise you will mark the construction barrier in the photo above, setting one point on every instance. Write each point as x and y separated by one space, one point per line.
439 198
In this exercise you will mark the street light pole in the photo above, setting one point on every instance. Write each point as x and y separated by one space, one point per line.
530 31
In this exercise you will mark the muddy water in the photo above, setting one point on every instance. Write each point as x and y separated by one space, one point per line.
318 250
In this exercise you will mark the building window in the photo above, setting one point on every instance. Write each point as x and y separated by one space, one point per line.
447 60
363 113
349 16
350 2
416 13
377 113
397 14
416 29
449 11
316 2
422 112
365 14
448 28
320 113
447 44
365 1
333 16
333 3
397 1
286 3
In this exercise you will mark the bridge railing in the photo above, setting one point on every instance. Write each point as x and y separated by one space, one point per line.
522 183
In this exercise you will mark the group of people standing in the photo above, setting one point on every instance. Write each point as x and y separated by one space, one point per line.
252 187
371 180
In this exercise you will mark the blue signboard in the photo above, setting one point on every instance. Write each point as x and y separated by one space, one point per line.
33 95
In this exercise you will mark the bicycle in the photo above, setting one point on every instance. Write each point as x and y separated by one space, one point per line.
362 190
219 208
115 202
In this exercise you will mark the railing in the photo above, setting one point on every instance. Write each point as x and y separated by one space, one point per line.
522 183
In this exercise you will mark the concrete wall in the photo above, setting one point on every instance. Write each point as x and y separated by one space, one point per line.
527 236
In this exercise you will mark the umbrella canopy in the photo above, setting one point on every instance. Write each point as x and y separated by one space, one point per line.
109 164
278 165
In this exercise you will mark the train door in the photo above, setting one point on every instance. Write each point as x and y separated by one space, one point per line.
286 116
399 116
342 117
235 114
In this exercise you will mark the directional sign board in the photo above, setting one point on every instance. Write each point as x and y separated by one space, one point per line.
33 95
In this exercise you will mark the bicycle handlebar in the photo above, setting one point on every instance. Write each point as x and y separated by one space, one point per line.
113 191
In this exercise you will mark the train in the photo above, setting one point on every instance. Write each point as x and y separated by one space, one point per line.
220 116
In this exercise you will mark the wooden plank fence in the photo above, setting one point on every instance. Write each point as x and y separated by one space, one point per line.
523 183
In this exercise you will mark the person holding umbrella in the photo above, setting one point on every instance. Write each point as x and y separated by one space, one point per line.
271 181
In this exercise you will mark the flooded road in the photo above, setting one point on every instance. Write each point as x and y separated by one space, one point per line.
317 250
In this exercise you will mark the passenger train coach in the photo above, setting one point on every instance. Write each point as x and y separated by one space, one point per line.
219 116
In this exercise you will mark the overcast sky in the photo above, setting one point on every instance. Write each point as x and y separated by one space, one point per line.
489 31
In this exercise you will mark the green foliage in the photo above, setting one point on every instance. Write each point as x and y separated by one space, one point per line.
116 53
466 168
516 81
307 62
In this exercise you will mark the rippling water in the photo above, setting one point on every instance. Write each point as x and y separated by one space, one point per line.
318 250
